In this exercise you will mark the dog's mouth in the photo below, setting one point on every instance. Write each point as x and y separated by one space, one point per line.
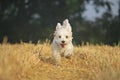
62 45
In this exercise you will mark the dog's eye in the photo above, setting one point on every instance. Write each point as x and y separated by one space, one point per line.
66 36
59 36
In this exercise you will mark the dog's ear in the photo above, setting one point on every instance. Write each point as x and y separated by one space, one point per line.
66 25
66 21
58 26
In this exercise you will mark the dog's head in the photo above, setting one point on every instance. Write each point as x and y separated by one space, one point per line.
63 33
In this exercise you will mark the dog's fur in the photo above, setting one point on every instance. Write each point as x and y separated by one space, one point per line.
62 42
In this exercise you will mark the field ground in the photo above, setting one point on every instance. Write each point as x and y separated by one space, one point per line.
23 62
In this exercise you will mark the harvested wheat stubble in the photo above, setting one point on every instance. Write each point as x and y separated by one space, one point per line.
27 61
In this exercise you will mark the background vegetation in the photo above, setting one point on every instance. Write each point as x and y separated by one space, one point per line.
33 20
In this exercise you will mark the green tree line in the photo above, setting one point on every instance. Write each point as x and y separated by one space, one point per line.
33 20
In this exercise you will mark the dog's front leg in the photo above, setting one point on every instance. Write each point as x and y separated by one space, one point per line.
68 53
57 58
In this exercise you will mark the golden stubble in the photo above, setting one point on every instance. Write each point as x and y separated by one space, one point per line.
27 61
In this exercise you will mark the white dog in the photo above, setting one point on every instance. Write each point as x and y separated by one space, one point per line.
62 42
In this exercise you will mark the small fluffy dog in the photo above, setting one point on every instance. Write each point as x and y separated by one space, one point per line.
62 42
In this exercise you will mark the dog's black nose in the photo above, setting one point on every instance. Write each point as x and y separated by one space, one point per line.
63 41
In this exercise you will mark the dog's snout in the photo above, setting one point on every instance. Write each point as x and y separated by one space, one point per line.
63 41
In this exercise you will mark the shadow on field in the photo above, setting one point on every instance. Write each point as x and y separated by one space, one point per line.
48 60
43 58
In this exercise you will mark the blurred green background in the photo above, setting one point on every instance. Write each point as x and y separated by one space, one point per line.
33 20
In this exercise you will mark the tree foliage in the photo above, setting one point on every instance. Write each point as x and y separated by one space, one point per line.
36 19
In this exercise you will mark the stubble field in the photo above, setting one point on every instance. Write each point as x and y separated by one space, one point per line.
27 61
